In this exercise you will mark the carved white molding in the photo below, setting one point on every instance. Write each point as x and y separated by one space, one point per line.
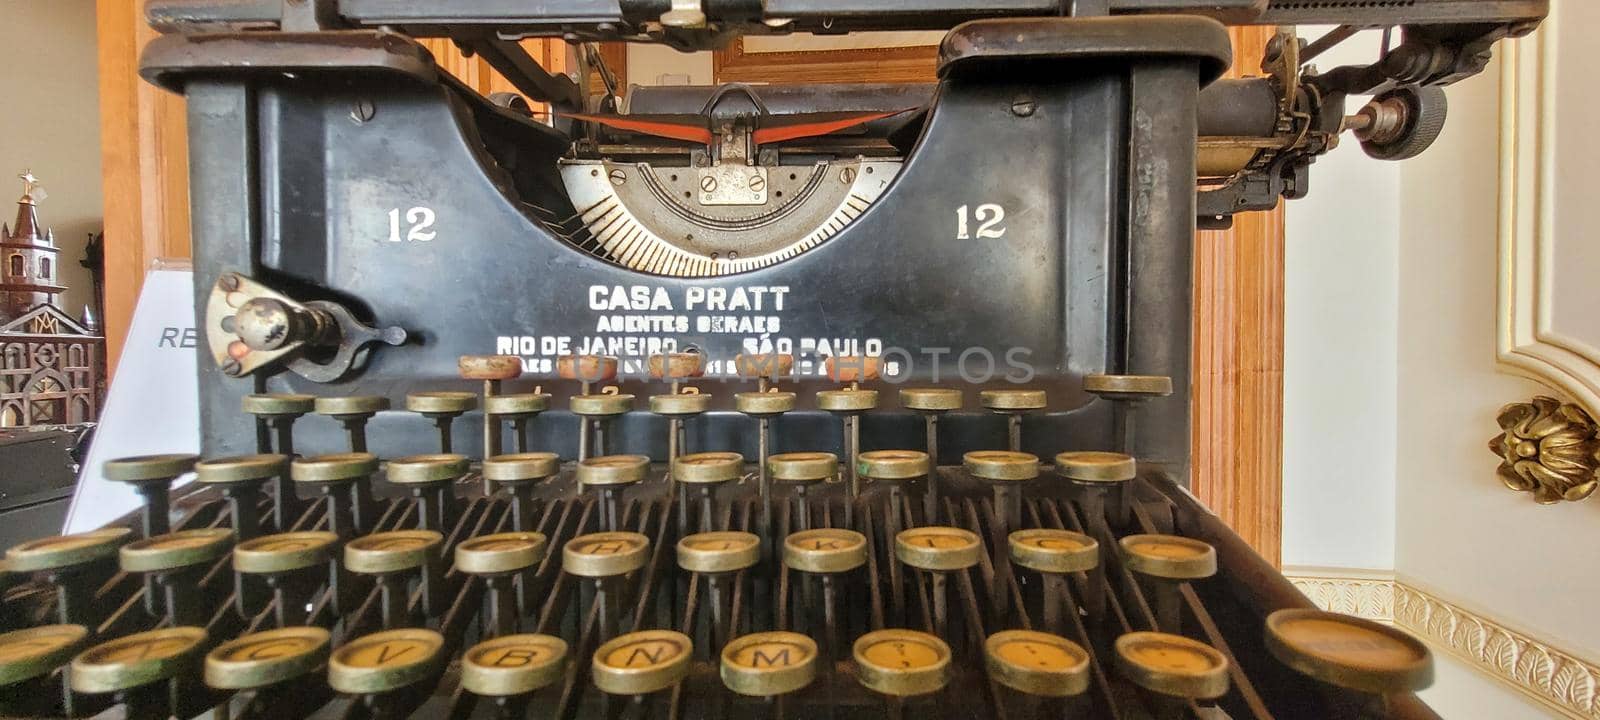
1534 270
1559 680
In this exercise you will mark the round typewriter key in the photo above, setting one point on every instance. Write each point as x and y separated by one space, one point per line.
931 399
605 554
764 367
1129 385
593 411
345 480
825 550
602 404
240 479
718 552
771 402
1037 663
1013 399
938 548
353 412
284 552
175 551
847 401
513 665
151 477
676 366
680 404
1096 467
385 661
519 409
428 478
442 408
489 367
1002 470
1172 665
1001 465
1349 652
266 658
613 470
849 369
66 551
137 660
769 664
893 464
1054 551
708 467
1169 556
587 368
278 404
804 467
902 663
500 553
38 651
393 551
519 474
641 663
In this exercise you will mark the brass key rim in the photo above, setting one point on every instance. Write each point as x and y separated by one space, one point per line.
676 366
393 551
742 670
601 405
1172 557
719 552
441 402
803 466
1092 466
284 552
175 550
522 467
1037 663
605 554
277 404
763 365
63 551
1349 652
708 467
523 404
1001 465
1013 399
825 550
489 367
1054 551
36 651
146 468
590 368
613 470
1128 385
240 469
351 405
931 399
352 672
483 671
1163 664
334 468
150 656
681 404
239 664
854 368
879 673
614 673
938 548
426 469
764 403
500 553
892 464
847 401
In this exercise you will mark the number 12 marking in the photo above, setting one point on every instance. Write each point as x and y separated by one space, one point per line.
990 218
419 220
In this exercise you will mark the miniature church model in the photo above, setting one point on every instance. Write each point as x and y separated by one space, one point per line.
50 364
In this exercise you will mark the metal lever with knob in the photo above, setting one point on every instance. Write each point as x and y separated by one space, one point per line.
250 326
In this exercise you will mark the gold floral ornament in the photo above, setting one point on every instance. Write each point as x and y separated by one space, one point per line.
1548 448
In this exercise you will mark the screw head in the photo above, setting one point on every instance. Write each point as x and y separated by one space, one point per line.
847 175
1023 106
757 183
232 368
363 111
708 184
618 177
229 282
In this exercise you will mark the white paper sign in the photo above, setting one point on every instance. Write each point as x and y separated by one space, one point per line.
153 405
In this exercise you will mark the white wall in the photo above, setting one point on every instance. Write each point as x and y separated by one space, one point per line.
650 64
50 124
1341 286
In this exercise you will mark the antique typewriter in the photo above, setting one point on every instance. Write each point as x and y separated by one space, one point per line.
831 401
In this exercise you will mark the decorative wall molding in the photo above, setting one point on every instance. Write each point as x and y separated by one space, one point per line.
1552 677
1555 678
1558 349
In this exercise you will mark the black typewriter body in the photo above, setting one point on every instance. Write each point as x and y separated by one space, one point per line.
380 254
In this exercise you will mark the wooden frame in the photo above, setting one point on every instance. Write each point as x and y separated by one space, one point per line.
895 64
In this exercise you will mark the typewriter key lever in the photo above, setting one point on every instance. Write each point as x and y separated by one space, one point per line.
639 664
353 412
75 565
296 567
394 558
1166 561
931 404
901 664
717 557
1043 667
611 475
502 560
765 404
151 476
176 562
593 409
27 660
375 667
240 480
509 669
940 551
1173 670
249 326
1351 653
492 370
1013 404
275 665
769 665
849 403
1053 554
140 668
605 558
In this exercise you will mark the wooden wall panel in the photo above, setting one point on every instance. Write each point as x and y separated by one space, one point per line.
1237 440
